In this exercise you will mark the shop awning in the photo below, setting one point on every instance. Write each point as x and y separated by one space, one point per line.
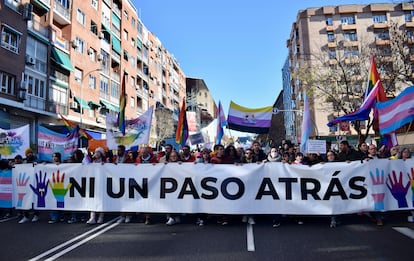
116 44
91 103
109 106
62 59
82 102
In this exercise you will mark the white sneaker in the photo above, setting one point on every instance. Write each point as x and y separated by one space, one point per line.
170 221
127 219
244 219
177 219
201 223
35 218
100 220
91 221
121 220
251 221
24 220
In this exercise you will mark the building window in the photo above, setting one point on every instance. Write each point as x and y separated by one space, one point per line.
94 4
350 19
64 3
133 22
132 102
114 90
92 82
78 75
126 35
139 27
379 18
38 51
381 35
13 4
329 21
58 95
126 14
10 38
80 17
104 88
126 56
7 82
35 87
331 37
332 53
80 45
350 35
94 28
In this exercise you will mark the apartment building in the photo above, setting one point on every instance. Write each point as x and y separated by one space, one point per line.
72 58
342 31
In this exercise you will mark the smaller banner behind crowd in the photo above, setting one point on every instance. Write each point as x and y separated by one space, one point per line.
14 141
50 142
334 188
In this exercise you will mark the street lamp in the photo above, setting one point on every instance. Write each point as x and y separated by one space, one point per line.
81 98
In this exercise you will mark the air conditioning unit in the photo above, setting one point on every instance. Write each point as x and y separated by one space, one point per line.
99 119
75 44
73 105
30 60
100 57
90 51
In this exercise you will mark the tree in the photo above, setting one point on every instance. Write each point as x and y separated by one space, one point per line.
337 73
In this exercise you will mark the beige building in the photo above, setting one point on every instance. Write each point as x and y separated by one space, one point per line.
324 37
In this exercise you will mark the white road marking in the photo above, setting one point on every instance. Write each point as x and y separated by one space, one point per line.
250 238
52 250
7 219
405 231
66 250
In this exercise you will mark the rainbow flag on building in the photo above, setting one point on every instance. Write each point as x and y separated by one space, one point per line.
181 134
249 120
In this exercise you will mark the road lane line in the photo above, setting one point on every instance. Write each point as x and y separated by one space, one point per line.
66 250
7 219
405 231
48 252
250 238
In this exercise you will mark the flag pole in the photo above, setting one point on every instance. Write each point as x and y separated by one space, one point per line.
406 133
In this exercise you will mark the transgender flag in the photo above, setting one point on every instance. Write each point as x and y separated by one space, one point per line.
397 112
221 123
249 120
306 125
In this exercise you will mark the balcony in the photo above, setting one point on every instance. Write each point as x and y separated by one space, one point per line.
382 41
350 43
57 108
61 13
38 29
382 25
331 44
35 102
345 27
330 28
43 5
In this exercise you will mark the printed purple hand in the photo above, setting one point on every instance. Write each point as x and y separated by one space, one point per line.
41 189
397 189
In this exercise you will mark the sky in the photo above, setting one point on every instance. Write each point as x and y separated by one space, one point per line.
238 47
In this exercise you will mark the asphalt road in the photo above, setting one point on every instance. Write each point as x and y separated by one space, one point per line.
355 238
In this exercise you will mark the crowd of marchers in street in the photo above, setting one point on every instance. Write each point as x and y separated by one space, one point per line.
286 153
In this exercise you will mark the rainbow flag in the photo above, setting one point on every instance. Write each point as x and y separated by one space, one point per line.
249 120
363 112
122 105
71 126
221 123
388 139
181 134
306 124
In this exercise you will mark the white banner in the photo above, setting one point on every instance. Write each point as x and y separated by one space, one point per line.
331 188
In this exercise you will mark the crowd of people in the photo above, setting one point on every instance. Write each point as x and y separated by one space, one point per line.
230 154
